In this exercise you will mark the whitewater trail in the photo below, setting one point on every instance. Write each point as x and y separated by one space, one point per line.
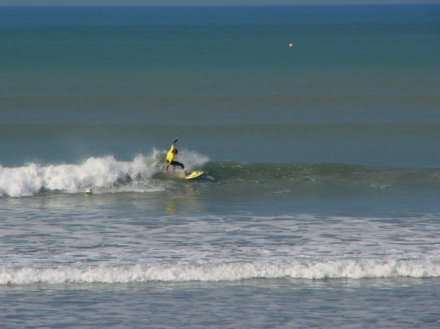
101 172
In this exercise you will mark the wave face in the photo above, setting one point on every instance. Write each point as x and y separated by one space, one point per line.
104 173
144 174
326 173
342 269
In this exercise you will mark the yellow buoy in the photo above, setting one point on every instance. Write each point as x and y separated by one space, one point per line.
291 45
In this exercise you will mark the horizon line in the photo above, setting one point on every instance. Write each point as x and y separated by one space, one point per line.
217 5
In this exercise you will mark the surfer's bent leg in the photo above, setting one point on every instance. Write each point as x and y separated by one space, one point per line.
177 164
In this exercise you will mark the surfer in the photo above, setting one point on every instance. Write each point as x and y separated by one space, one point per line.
171 155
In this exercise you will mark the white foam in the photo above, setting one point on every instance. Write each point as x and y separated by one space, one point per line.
192 159
102 172
338 269
96 171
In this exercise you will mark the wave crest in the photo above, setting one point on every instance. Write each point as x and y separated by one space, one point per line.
101 172
95 171
340 269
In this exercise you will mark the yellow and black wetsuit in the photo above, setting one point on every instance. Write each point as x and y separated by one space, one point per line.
170 158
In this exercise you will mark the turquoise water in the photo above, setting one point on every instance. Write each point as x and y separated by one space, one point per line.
319 206
359 86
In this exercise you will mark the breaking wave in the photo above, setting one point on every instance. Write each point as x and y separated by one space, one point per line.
101 172
338 269
107 172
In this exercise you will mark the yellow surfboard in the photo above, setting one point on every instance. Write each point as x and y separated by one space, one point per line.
194 174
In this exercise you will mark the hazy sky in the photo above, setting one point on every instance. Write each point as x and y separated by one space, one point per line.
199 2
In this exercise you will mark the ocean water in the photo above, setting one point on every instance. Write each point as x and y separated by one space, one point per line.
319 206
